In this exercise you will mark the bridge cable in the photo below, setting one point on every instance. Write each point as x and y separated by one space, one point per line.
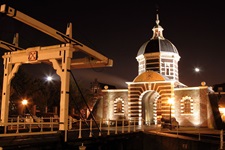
76 105
84 100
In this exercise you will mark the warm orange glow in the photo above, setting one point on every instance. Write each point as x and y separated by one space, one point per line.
170 101
222 110
24 102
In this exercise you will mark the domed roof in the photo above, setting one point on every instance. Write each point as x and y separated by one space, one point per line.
150 76
157 45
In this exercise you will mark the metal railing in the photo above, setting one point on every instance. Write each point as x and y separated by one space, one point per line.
29 126
49 125
87 128
105 127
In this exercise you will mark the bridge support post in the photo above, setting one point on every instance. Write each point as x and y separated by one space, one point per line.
9 73
64 72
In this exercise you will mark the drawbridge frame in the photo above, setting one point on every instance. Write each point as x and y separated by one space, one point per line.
60 56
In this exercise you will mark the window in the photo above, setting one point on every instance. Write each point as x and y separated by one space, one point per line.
159 104
186 105
118 105
167 68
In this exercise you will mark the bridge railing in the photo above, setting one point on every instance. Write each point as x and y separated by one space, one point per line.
104 127
29 125
47 125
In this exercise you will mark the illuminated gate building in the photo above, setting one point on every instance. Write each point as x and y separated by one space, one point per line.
148 96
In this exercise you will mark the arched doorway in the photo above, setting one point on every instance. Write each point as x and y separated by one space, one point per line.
154 107
149 107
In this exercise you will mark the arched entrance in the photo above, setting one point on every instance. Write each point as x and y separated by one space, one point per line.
143 97
149 107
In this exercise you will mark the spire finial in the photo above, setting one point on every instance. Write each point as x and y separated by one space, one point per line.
157 29
157 16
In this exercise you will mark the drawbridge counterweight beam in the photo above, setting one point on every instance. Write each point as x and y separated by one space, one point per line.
9 46
11 12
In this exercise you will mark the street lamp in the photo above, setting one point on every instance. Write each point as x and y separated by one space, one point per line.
197 69
49 78
170 101
24 103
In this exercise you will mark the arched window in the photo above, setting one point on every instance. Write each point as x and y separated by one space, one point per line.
118 105
186 105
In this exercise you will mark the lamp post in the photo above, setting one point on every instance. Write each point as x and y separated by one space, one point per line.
24 103
170 101
49 80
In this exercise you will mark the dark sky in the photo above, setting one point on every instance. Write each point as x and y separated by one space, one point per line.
117 30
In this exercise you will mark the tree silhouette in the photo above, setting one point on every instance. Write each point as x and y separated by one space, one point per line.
44 94
35 90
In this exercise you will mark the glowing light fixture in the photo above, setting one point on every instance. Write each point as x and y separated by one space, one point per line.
170 101
49 78
197 69
24 102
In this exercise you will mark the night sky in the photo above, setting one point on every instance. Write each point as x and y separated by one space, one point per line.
117 30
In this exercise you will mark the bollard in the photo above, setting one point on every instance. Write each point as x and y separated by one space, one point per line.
90 135
108 133
82 147
100 126
80 129
199 135
70 122
116 128
221 139
123 125
128 126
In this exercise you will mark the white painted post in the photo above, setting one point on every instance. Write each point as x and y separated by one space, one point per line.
128 126
25 120
123 125
90 135
116 128
82 147
70 123
108 133
142 125
30 127
52 121
100 127
42 121
79 129
221 139
17 125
